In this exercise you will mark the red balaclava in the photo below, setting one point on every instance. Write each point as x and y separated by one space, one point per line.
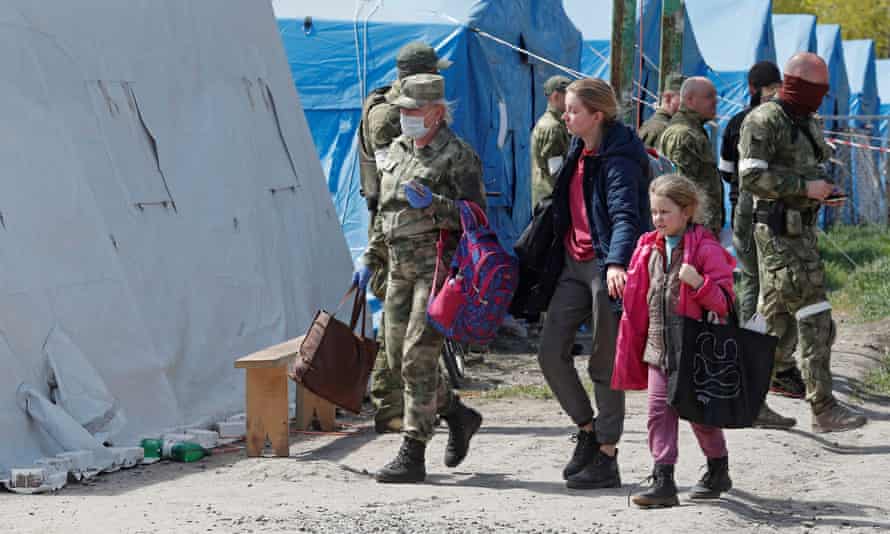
802 96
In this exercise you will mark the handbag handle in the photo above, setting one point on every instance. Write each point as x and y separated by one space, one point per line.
359 309
732 313
352 288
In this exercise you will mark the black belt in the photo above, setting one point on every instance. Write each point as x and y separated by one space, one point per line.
762 209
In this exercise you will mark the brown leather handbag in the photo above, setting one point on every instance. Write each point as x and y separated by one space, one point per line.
334 362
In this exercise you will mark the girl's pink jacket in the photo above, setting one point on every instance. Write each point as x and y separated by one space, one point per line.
712 261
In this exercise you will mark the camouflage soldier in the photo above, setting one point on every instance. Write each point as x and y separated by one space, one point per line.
686 143
781 153
651 130
379 127
764 81
550 139
426 170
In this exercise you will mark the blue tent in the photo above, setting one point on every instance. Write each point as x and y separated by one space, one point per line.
339 54
831 49
882 67
794 33
836 102
859 56
732 35
882 73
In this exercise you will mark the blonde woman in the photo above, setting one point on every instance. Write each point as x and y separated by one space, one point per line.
600 208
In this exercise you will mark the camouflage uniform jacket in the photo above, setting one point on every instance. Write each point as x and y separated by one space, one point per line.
380 125
686 143
448 166
777 158
651 130
550 143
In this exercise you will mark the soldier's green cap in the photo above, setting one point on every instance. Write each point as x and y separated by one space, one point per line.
673 82
420 89
556 83
417 57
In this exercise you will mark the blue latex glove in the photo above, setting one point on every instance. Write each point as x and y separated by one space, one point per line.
361 276
419 195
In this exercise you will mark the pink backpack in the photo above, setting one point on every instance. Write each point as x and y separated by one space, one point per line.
472 303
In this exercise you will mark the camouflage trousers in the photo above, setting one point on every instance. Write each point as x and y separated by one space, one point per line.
387 388
792 290
413 346
748 288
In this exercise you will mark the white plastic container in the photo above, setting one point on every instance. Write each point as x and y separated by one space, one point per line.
205 438
83 464
232 429
32 480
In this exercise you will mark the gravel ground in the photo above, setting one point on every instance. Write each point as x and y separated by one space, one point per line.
784 481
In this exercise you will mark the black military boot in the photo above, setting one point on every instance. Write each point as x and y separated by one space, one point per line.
585 450
767 418
663 492
714 482
788 383
463 422
601 473
409 465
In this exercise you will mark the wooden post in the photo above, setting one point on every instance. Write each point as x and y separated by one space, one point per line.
622 58
267 410
672 27
310 407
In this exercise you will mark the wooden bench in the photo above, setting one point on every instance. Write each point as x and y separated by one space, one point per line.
266 392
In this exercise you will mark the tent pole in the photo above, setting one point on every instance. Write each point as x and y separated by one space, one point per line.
672 26
622 68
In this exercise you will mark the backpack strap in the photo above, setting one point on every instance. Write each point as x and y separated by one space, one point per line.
472 217
440 251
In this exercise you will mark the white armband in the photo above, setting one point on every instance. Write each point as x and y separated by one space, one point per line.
726 166
812 309
380 156
553 164
746 164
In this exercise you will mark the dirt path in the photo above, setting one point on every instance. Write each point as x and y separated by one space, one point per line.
784 481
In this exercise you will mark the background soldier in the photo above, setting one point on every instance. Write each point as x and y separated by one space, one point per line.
764 81
427 169
780 163
651 130
686 143
379 127
550 139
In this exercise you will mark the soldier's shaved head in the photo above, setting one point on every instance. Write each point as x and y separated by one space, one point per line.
808 66
696 85
699 94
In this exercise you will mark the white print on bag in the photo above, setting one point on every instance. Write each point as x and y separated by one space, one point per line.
716 375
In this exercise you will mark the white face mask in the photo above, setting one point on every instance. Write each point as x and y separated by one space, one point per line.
413 127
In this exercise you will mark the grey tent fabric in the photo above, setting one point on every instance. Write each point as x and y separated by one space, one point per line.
161 202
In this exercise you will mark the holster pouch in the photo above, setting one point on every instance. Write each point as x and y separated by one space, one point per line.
775 218
793 223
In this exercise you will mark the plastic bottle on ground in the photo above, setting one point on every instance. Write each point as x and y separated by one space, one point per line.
183 451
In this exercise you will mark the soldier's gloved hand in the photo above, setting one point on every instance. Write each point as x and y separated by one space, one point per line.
361 276
419 195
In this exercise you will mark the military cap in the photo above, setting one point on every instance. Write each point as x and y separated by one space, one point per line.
416 57
556 83
420 89
674 82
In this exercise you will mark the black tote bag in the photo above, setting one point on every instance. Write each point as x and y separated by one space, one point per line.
723 373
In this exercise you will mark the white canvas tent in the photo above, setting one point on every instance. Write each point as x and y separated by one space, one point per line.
161 205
